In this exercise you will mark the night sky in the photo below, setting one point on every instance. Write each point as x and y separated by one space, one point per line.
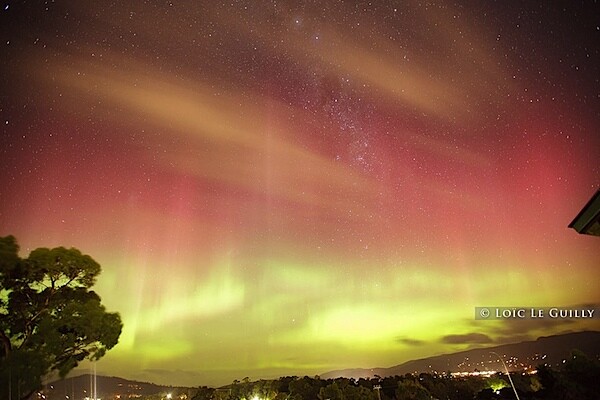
288 188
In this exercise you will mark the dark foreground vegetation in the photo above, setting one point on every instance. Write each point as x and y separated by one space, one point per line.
50 318
578 378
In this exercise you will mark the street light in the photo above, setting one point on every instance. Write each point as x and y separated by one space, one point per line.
378 388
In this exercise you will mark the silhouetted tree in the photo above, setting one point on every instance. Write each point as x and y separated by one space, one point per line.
284 383
578 379
50 320
305 388
204 393
351 392
331 392
408 389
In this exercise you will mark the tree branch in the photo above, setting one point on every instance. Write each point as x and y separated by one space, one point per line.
5 343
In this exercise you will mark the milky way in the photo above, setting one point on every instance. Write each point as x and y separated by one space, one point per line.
287 188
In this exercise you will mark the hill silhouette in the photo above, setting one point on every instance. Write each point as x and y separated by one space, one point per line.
79 387
550 350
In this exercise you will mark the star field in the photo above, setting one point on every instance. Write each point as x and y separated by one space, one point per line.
283 187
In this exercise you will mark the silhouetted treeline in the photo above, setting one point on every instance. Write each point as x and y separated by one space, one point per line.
578 378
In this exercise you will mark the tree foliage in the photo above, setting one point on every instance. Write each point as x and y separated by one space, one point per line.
411 390
50 320
577 379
